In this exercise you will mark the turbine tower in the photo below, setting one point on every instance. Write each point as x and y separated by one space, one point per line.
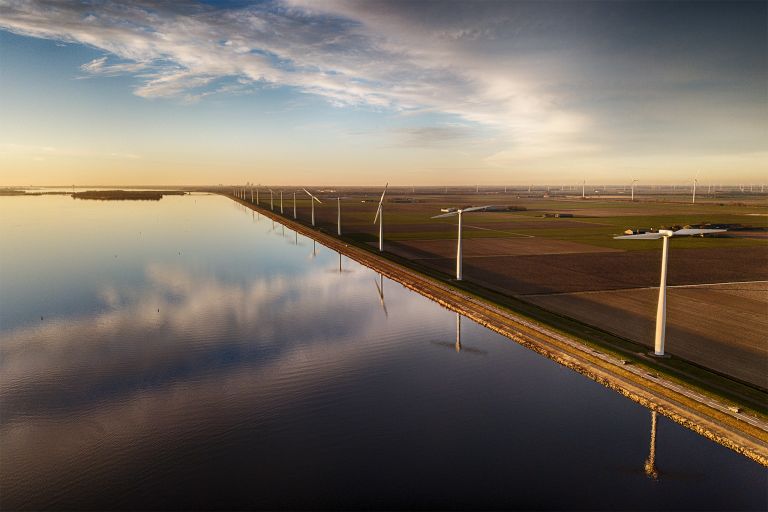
661 308
271 200
281 202
695 182
633 190
380 217
338 216
294 205
312 202
458 241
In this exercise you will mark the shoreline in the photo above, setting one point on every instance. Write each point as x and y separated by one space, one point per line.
707 416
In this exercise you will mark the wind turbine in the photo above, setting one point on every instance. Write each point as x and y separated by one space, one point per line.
458 242
583 189
633 190
695 182
257 195
312 202
294 206
338 216
271 199
281 202
380 217
661 308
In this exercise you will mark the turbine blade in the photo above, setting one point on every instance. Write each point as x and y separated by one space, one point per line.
641 236
382 194
688 232
449 214
316 199
475 208
381 201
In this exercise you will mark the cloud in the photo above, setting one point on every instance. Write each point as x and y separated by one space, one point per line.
349 54
99 66
548 78
429 136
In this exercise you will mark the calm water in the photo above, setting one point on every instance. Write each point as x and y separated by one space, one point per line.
187 354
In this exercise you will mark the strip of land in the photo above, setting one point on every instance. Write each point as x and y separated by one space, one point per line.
682 393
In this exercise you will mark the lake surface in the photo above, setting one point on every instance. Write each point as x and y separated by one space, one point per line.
190 354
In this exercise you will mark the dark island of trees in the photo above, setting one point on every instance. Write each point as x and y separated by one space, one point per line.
125 195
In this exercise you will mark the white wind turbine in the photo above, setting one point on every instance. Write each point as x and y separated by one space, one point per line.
312 202
294 206
271 199
661 309
281 202
458 242
380 217
338 216
633 189
695 182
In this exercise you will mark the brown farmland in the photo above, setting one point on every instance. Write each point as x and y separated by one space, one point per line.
490 247
717 326
561 273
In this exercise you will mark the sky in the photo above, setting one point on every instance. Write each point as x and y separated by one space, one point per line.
340 92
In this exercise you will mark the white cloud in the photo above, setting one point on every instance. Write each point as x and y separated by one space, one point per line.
350 54
544 79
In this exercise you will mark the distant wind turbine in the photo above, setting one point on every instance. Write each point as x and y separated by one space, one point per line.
294 205
312 202
338 216
271 199
633 190
380 217
281 202
661 309
695 182
458 241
